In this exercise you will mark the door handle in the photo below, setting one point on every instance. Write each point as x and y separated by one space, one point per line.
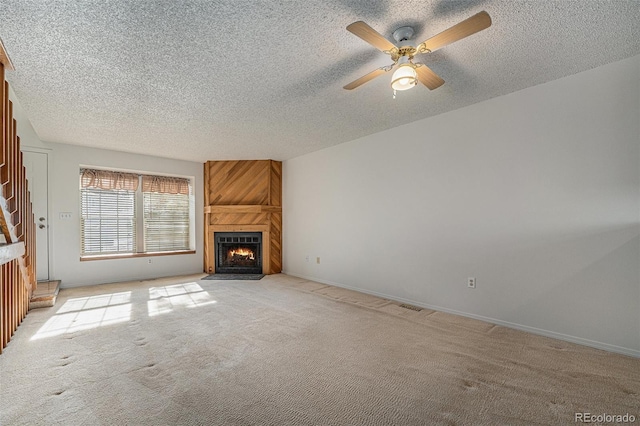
41 226
41 219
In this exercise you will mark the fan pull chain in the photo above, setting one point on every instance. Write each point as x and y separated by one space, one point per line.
394 93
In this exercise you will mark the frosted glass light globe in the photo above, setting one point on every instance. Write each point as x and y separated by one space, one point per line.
404 77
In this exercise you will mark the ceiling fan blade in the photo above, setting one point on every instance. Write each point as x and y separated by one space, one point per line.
428 77
371 36
367 77
477 22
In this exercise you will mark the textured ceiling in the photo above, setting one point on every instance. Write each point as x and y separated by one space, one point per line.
252 79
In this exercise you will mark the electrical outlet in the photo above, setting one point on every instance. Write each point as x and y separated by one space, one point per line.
149 260
471 282
318 260
306 258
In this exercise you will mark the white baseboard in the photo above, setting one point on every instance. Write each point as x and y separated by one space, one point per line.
547 333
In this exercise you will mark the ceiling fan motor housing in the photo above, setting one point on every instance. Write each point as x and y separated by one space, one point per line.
403 34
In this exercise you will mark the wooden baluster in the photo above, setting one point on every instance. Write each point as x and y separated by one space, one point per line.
5 303
8 183
9 288
3 279
17 184
3 143
4 178
7 306
16 296
7 296
19 296
12 279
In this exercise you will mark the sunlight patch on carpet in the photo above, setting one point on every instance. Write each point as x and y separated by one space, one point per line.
165 299
84 313
93 302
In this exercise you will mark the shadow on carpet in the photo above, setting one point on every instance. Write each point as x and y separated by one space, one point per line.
252 277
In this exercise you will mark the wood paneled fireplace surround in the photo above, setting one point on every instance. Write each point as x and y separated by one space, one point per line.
245 198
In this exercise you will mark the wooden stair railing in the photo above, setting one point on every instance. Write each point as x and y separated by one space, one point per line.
17 224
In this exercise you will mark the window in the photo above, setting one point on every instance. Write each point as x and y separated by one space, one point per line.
108 221
166 221
111 222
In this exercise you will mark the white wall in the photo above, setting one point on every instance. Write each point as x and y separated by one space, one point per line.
536 194
28 136
65 161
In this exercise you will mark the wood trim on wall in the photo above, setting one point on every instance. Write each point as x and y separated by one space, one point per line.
242 209
207 219
244 196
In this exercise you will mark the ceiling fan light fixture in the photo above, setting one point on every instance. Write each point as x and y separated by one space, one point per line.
404 78
406 74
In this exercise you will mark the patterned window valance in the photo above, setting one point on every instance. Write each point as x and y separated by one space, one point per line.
165 185
106 179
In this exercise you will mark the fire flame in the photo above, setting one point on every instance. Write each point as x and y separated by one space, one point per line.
242 252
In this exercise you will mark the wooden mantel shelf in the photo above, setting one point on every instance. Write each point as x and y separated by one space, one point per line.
8 252
242 209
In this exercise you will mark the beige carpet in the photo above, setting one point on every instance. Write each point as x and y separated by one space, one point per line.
285 351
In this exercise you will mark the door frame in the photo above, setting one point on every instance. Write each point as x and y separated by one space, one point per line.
50 229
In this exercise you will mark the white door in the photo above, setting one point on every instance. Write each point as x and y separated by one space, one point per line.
37 168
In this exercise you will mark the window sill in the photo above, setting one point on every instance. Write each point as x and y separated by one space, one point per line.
134 255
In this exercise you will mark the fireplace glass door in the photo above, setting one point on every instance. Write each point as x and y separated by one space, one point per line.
238 252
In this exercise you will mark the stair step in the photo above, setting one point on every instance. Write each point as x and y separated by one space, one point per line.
45 294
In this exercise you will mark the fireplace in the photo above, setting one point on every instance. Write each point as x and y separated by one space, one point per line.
243 196
238 252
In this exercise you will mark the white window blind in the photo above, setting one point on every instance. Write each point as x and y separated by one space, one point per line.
108 221
166 221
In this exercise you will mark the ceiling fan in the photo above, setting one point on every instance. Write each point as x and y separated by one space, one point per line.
407 73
